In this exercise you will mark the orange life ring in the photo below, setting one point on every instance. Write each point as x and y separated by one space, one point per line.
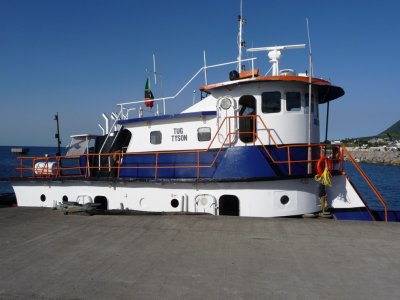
321 165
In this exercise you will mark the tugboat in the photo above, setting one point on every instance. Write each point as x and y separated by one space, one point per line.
250 148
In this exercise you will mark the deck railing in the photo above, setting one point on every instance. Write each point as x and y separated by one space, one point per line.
63 169
71 166
367 180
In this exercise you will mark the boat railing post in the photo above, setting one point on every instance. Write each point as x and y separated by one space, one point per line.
309 156
205 67
20 167
156 167
198 164
229 130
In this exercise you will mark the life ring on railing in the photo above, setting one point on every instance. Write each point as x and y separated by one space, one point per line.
321 165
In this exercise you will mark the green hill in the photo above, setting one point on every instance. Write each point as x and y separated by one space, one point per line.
393 130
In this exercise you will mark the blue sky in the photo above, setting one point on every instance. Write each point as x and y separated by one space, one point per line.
80 58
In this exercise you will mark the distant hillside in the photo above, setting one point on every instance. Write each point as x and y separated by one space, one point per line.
393 130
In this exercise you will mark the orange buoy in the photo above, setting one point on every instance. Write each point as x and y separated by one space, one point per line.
321 165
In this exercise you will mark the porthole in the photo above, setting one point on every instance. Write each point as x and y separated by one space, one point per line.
174 203
284 200
43 197
65 198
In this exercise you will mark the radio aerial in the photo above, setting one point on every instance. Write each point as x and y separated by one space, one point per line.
275 53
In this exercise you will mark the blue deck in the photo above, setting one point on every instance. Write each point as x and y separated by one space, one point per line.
363 215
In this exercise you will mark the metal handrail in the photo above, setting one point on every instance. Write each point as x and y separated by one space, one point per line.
204 68
198 166
368 181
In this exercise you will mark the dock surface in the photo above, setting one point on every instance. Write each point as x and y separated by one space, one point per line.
47 255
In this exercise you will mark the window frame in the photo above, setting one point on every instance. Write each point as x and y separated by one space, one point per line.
264 99
208 137
297 109
160 137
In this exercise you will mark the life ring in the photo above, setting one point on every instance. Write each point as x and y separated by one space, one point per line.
321 165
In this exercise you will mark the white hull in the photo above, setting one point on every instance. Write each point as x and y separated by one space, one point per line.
255 199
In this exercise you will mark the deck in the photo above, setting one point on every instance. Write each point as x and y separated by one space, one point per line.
45 255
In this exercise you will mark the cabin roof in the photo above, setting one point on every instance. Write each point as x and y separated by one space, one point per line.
84 136
326 90
172 116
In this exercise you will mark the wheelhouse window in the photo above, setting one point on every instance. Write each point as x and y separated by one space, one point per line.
293 101
204 134
271 102
155 137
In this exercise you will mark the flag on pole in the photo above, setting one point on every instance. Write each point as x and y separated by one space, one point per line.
148 95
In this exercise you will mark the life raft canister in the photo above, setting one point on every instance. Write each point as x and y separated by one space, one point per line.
321 165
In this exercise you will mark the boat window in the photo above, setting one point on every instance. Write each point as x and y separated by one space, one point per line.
155 137
293 101
306 103
204 134
271 102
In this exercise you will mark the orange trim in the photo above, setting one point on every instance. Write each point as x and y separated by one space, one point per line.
249 74
303 79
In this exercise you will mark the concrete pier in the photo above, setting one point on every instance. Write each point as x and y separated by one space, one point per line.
47 255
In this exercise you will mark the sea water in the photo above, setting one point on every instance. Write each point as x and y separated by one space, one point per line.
9 162
385 178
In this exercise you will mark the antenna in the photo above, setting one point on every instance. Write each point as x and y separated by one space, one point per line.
275 53
309 48
241 42
310 69
154 70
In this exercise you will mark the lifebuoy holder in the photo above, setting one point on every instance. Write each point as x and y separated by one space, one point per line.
322 162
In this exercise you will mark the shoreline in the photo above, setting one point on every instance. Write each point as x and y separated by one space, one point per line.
391 158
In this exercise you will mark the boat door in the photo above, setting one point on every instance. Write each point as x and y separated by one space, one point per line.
227 107
247 118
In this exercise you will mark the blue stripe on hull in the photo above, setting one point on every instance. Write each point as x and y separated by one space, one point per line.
232 163
363 215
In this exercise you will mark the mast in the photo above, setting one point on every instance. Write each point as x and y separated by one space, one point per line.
241 42
57 135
